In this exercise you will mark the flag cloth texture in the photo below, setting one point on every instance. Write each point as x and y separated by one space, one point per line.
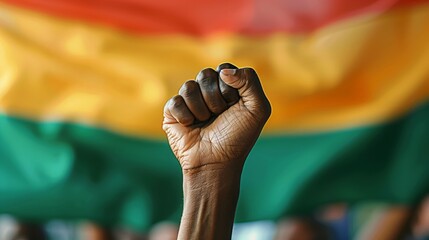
83 84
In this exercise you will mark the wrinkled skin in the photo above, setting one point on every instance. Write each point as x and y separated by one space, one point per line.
215 120
211 126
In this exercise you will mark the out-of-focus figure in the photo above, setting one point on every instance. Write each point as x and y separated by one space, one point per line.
302 229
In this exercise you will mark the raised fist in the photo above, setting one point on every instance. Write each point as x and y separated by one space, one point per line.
215 120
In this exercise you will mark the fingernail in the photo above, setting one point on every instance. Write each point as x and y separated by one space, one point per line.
228 72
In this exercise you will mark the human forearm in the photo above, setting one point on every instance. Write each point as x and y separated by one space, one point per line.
210 199
211 127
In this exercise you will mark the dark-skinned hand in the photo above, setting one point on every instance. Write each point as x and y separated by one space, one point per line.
215 120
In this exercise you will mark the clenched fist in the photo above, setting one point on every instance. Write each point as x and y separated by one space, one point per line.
211 126
215 120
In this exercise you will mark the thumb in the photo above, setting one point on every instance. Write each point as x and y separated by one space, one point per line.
246 81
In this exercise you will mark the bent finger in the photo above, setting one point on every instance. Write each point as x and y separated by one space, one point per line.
191 93
229 93
177 110
209 85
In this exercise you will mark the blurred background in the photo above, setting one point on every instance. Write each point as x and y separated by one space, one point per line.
345 154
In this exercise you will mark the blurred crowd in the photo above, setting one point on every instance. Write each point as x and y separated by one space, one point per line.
373 221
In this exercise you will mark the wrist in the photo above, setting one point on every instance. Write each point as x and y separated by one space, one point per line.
213 171
210 199
221 184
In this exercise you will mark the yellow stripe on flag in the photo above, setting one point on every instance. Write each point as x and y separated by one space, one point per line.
360 71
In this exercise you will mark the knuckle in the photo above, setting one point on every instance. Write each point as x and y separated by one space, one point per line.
206 73
176 101
167 104
208 84
189 88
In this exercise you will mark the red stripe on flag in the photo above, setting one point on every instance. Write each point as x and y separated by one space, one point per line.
195 17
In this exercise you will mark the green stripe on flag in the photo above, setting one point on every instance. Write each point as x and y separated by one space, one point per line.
67 170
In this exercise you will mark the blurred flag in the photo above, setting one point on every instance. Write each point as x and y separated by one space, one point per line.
83 84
